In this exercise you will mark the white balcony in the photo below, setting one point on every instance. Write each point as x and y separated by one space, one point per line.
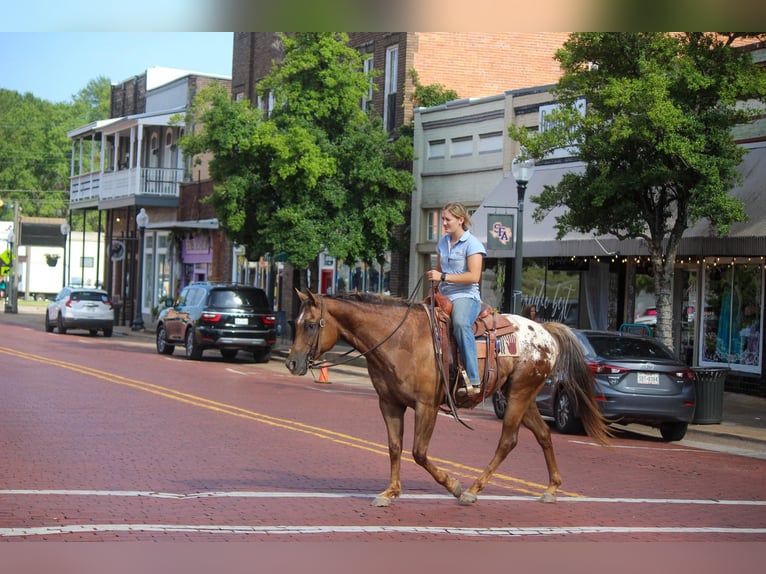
94 187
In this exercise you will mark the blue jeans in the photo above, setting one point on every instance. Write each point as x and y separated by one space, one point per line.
464 313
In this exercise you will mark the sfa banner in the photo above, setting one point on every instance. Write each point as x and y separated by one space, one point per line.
500 231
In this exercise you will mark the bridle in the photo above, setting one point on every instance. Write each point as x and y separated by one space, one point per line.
315 332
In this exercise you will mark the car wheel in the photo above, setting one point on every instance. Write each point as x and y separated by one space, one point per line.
500 402
93 332
162 346
229 354
108 332
564 416
60 326
193 350
48 324
673 431
261 355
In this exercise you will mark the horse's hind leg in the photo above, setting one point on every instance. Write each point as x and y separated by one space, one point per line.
393 415
508 439
534 422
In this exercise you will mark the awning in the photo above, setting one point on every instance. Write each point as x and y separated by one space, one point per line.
42 231
191 224
540 238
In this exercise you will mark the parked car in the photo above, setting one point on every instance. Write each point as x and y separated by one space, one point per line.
80 308
224 316
639 381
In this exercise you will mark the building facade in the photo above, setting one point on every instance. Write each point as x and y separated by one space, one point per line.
131 162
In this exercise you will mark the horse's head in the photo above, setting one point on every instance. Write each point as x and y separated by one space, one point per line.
314 334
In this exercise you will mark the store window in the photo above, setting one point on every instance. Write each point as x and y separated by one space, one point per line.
731 318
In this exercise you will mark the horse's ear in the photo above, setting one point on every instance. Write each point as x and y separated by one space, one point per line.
301 296
311 295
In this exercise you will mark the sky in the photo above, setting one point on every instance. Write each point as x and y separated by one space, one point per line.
54 66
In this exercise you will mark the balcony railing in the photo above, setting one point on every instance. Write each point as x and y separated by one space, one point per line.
156 181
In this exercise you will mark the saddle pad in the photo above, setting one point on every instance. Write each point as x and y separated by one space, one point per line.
507 345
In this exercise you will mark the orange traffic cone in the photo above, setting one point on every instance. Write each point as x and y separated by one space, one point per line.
324 374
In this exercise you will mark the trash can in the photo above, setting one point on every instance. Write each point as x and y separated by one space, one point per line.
709 385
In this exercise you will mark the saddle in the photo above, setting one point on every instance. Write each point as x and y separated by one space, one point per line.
495 337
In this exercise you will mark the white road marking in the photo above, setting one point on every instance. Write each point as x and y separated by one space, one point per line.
434 530
534 531
278 495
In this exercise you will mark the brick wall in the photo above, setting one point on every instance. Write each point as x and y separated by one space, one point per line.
129 97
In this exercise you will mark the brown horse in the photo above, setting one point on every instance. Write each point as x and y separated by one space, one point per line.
395 338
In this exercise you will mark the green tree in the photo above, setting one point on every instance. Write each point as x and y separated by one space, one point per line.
430 95
35 151
655 138
319 173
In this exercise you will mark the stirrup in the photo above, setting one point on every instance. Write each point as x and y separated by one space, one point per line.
469 390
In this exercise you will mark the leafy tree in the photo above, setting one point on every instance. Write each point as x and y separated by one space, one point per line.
35 151
430 95
655 138
319 173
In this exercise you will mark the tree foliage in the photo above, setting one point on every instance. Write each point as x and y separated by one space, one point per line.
656 139
431 94
35 152
319 173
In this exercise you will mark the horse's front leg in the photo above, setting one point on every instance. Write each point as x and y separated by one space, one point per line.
393 415
425 422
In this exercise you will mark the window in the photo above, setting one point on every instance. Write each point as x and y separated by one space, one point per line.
433 224
731 319
492 142
368 68
392 69
86 262
437 149
546 122
462 146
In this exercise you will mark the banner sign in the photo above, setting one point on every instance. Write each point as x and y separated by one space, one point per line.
500 231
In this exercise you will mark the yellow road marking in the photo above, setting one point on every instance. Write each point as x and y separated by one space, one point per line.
462 470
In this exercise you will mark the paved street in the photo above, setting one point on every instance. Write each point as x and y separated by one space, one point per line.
104 440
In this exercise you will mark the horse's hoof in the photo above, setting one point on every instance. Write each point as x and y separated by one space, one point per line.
467 498
548 497
381 501
457 493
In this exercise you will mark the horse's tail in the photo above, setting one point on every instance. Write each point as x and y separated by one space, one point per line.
572 370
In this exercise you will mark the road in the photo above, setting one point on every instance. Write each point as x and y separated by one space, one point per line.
104 440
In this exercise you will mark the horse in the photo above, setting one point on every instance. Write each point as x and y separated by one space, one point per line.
394 336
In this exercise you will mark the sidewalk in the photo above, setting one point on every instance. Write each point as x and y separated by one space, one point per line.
743 416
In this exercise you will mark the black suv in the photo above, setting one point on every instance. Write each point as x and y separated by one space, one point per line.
224 316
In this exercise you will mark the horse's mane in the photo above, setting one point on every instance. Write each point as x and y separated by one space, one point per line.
373 298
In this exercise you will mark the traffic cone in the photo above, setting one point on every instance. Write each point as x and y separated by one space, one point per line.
324 374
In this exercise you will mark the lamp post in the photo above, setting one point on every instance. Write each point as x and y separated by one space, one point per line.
142 219
523 168
10 297
64 229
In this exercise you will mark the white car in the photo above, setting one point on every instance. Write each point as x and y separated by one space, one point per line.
80 308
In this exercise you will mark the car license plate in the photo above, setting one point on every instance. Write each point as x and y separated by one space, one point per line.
648 379
240 320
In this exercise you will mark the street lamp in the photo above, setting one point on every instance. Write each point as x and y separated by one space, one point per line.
10 297
523 167
142 219
64 229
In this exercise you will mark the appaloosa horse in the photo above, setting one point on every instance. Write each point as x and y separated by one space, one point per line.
395 338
